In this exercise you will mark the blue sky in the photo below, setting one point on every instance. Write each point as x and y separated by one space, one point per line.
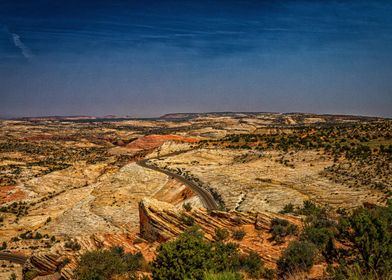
147 58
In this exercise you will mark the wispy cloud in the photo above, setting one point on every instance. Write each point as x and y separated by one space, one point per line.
26 52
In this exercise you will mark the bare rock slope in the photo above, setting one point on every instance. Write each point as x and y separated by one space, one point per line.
161 221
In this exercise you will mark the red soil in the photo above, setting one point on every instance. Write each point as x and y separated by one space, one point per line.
11 193
153 141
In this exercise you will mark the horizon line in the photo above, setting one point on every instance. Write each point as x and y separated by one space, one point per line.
114 116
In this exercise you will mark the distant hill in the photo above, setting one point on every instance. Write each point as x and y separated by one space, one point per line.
188 116
71 118
242 114
57 118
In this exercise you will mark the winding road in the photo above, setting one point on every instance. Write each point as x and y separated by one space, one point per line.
19 259
205 196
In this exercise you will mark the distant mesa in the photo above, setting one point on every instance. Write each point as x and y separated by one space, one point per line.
189 116
72 118
206 114
57 118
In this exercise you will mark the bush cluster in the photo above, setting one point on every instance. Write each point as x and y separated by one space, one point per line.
281 228
239 234
299 255
191 256
366 234
73 245
369 233
105 264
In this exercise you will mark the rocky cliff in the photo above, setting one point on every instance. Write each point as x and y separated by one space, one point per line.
160 221
43 266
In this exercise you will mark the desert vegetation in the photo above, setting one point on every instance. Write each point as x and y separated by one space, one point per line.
351 246
73 186
105 264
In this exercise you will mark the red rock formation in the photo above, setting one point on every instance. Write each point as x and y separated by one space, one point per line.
160 221
153 141
11 193
43 265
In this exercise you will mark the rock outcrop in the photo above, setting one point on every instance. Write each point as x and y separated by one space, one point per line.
153 141
160 221
43 265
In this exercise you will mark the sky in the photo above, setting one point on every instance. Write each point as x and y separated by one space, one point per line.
147 58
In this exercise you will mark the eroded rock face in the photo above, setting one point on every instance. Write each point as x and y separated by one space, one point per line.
154 141
150 142
160 221
79 180
43 264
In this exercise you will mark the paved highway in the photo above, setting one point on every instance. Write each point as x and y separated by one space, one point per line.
205 196
19 259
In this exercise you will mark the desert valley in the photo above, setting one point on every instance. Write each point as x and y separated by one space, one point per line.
72 185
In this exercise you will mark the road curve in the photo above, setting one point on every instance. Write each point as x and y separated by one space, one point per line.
205 196
19 259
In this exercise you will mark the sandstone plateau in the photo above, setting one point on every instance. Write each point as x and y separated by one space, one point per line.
78 182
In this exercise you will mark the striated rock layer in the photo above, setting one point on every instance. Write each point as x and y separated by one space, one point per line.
43 265
160 221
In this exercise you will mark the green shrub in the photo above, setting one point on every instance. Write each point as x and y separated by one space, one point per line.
103 264
225 257
187 207
354 271
223 276
316 235
329 251
187 220
369 231
26 235
38 235
189 256
299 255
309 208
292 229
281 228
288 208
253 265
30 275
320 230
73 245
221 234
239 234
321 219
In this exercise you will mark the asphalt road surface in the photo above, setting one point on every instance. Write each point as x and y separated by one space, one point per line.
205 196
19 259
